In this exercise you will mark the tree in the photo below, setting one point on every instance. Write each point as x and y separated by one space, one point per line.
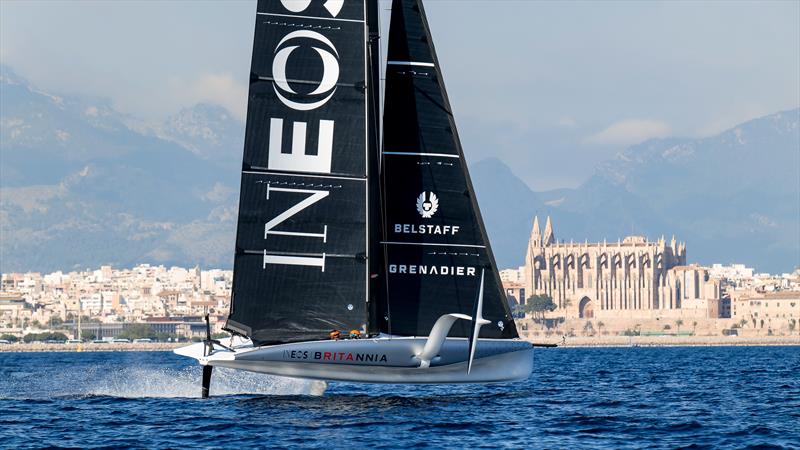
678 324
600 326
138 331
166 337
9 337
88 335
694 327
537 305
742 323
36 337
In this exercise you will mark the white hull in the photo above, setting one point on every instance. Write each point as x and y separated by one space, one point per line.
380 360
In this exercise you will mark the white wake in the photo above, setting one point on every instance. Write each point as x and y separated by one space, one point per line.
131 381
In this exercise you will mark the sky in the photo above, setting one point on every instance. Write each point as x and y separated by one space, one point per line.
550 88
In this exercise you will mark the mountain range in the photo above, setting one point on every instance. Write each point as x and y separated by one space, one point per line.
82 184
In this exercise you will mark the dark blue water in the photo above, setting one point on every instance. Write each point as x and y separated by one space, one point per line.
701 397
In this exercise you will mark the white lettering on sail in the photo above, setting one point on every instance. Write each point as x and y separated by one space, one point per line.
305 203
298 160
296 6
432 270
294 260
406 228
330 70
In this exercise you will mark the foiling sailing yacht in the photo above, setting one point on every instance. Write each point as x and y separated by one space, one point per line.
353 221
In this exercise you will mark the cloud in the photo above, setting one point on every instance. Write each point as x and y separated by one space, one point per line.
630 131
220 89
218 194
730 118
567 122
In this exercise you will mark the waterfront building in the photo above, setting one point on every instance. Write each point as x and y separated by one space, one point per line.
633 278
767 312
110 295
12 308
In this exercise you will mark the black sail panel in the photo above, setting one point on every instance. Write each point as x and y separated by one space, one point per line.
435 244
300 267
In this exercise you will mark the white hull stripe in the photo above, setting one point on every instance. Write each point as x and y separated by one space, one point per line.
432 244
308 17
410 63
441 155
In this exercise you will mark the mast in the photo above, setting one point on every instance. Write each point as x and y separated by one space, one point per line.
374 223
435 243
301 262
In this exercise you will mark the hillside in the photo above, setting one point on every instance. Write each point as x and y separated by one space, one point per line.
732 197
82 185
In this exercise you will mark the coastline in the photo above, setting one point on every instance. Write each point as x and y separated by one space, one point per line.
571 342
91 347
668 341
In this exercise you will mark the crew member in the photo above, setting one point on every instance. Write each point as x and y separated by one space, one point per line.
335 335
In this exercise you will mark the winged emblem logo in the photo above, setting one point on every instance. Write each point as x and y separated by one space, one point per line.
427 208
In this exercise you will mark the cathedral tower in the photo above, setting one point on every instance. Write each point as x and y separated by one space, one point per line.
549 237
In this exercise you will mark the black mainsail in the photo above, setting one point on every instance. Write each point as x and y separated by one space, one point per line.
300 267
435 244
325 243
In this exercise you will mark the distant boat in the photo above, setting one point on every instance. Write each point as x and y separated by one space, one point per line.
361 254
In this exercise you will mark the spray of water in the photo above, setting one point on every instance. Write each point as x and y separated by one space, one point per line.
136 382
132 382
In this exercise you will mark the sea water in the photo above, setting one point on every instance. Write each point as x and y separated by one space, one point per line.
700 397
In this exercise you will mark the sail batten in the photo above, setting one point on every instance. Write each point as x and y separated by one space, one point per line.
440 155
266 171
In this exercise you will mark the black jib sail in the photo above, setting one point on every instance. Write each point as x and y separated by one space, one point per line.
300 267
434 239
